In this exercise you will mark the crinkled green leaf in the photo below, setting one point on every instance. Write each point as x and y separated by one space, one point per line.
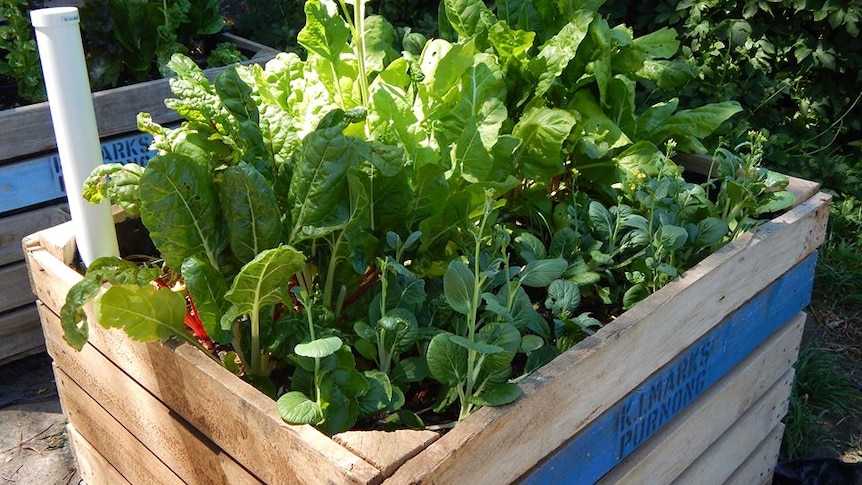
318 196
207 288
667 74
339 391
563 296
599 134
775 201
530 343
696 122
179 206
542 132
251 211
670 237
554 56
143 312
119 183
197 99
325 33
379 394
511 45
710 231
263 280
379 38
469 17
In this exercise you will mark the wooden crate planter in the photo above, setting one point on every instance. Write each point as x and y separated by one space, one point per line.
30 179
689 384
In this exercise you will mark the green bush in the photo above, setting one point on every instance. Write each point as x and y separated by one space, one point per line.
794 65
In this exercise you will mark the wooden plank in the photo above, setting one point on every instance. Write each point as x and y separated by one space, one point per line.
110 438
629 423
759 468
92 466
227 410
671 451
14 228
386 450
28 129
20 334
499 444
14 290
719 462
192 457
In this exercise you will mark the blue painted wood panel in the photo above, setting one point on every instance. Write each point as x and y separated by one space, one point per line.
38 180
627 424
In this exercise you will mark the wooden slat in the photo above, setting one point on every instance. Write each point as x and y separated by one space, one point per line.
14 228
122 450
719 462
234 415
192 457
92 466
630 422
500 444
671 451
14 290
759 468
20 334
386 450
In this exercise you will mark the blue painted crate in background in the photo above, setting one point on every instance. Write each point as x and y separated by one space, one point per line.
39 179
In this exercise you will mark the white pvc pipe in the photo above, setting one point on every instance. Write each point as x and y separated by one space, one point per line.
58 36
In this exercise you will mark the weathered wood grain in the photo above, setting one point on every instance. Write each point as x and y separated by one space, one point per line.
20 334
667 454
14 291
739 442
116 444
192 457
92 466
231 413
759 468
14 228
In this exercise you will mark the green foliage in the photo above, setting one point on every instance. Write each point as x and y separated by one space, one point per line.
19 56
839 270
522 166
793 65
137 36
820 387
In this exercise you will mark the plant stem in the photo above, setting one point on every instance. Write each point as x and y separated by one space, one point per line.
255 341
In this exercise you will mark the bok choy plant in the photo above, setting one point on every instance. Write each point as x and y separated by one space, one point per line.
534 189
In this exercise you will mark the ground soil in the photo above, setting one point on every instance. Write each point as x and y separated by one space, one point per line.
33 444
